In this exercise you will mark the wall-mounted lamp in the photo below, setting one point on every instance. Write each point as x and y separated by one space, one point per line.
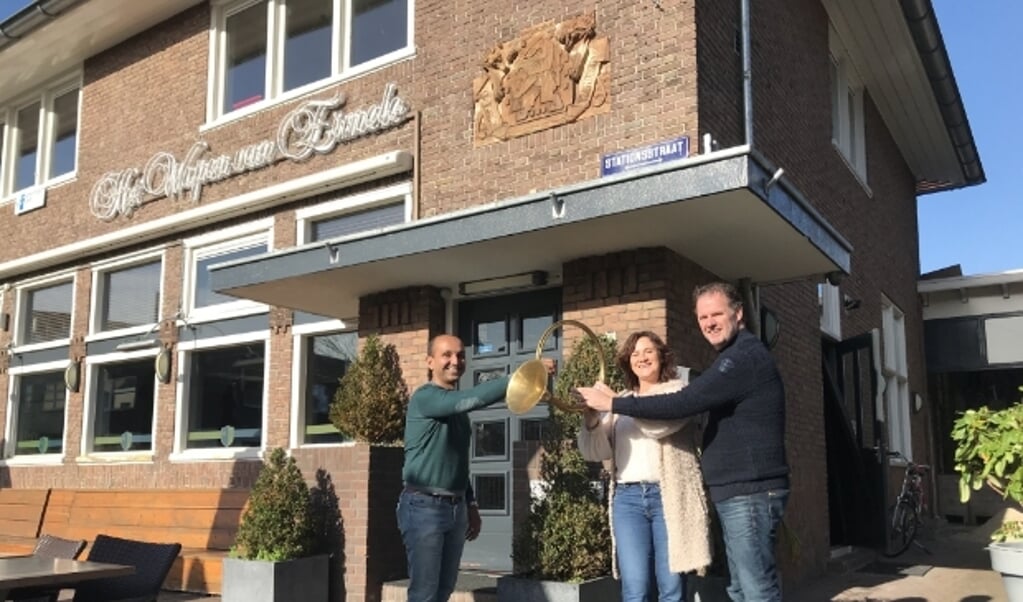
770 327
849 303
73 376
162 365
136 345
503 283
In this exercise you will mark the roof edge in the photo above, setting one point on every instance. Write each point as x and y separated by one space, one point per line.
930 45
30 18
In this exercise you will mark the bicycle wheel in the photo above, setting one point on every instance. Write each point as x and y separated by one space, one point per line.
902 524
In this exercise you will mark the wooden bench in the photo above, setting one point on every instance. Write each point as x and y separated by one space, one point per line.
203 521
21 515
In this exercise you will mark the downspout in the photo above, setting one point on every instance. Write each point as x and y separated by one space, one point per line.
747 74
30 18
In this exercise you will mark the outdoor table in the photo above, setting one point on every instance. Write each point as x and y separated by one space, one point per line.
59 573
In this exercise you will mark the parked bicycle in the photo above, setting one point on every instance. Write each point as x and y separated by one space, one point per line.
904 515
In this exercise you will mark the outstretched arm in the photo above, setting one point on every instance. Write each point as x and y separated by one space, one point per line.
435 402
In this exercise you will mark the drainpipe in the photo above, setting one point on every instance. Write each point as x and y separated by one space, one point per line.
30 18
747 74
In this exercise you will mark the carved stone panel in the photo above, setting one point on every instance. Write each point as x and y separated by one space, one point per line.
548 76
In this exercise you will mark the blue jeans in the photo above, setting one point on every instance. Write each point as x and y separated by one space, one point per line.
433 530
641 539
749 524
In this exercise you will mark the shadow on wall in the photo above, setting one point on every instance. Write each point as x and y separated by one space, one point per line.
330 531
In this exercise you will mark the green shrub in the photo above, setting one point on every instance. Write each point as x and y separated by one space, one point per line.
278 522
372 399
566 536
989 451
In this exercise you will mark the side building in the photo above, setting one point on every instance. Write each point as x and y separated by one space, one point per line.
210 203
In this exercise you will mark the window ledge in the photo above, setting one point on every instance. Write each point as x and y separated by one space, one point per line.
860 178
116 458
217 454
36 460
18 349
121 332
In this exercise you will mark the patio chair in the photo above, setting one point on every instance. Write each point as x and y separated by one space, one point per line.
49 546
152 562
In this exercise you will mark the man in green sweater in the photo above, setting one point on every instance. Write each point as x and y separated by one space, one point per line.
433 514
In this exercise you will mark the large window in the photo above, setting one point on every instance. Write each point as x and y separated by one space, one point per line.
847 123
225 396
127 297
895 372
123 406
41 138
45 314
38 421
326 358
262 50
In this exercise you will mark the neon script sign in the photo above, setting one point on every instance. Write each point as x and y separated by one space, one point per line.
314 127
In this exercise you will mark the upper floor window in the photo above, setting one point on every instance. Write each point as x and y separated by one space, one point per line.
370 210
262 50
41 139
127 296
45 313
847 123
202 252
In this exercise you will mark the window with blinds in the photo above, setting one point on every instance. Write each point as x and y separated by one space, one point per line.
47 314
358 221
130 297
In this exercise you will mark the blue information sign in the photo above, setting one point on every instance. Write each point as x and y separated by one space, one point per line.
661 152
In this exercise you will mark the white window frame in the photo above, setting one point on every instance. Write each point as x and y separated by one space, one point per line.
218 243
340 69
181 451
300 332
102 268
895 374
90 367
830 301
307 216
22 291
850 141
15 373
12 136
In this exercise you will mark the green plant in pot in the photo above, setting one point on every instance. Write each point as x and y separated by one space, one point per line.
566 537
271 559
372 399
989 451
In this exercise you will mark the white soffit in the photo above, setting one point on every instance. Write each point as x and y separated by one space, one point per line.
85 30
881 47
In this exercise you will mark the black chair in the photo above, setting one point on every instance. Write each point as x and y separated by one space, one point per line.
48 546
152 562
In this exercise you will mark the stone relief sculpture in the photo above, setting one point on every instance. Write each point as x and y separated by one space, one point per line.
549 76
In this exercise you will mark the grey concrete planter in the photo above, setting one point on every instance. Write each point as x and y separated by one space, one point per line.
520 589
305 579
1007 559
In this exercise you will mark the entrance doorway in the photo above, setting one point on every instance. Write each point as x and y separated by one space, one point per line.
501 333
856 450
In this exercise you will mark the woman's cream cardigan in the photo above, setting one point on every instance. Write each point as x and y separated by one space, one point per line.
682 494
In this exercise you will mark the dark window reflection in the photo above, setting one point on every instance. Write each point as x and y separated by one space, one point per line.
489 439
490 491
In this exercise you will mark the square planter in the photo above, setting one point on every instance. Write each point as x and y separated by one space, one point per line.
305 579
521 589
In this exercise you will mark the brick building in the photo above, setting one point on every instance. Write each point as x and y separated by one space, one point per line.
210 203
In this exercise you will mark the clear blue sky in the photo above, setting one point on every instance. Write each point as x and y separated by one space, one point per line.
980 227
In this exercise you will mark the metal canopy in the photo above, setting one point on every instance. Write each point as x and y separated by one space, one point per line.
717 210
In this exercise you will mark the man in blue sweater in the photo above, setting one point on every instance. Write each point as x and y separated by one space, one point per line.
743 458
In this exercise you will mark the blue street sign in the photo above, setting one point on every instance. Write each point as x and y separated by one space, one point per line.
660 152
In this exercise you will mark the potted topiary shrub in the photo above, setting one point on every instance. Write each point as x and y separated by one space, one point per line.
989 451
563 551
271 560
372 399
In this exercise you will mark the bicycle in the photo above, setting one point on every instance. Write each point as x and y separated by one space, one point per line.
904 515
